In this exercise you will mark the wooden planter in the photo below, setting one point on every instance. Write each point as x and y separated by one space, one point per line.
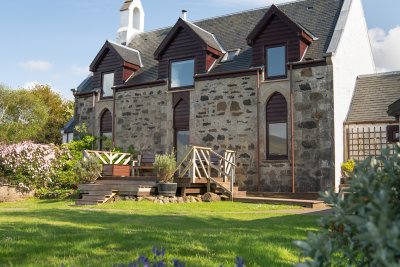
167 189
116 170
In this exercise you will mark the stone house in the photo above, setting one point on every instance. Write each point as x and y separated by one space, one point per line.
369 127
274 84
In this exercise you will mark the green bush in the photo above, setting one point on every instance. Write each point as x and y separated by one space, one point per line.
165 166
364 229
48 193
88 170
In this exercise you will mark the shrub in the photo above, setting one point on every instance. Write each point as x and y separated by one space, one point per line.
364 229
348 168
88 170
33 165
165 166
49 193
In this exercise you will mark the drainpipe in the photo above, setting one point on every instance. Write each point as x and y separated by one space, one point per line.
292 125
113 120
93 112
258 134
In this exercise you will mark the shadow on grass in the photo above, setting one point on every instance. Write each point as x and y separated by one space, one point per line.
50 237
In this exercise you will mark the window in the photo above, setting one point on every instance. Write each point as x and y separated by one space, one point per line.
277 147
276 61
392 132
182 73
108 83
230 55
106 130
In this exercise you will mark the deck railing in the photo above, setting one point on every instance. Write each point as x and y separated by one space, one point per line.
107 157
200 161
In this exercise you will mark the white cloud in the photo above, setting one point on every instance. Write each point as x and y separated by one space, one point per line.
36 65
75 69
386 48
30 85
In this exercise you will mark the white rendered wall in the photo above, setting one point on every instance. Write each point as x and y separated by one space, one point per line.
351 57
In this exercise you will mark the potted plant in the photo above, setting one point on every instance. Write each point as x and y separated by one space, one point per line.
165 167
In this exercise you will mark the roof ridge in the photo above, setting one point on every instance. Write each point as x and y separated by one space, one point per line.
380 74
226 15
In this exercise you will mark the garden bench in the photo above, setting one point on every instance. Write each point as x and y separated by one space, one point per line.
144 163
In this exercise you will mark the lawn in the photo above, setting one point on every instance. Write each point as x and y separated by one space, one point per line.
51 233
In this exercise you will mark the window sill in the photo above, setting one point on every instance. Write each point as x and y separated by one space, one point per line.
271 80
182 89
275 161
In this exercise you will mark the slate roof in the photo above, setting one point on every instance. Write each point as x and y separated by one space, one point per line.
318 17
85 86
127 54
70 126
372 96
394 108
206 36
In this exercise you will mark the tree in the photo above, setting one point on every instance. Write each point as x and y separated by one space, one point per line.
36 115
60 112
22 115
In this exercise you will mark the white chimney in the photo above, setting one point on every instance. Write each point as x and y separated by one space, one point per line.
184 15
131 21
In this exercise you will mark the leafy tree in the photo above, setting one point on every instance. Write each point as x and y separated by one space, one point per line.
60 111
364 229
22 115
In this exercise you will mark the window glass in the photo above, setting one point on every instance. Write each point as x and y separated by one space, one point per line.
277 139
276 61
182 144
108 83
182 73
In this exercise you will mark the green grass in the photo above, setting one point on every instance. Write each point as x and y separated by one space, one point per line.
51 233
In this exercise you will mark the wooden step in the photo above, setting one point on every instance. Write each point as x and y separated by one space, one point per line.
95 197
82 202
239 194
129 179
293 202
107 187
126 182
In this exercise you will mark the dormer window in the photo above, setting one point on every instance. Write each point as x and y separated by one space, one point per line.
107 84
230 55
182 74
275 58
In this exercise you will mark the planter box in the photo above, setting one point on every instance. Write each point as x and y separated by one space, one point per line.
116 170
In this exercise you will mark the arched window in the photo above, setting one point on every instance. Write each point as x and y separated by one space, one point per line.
277 139
136 19
106 130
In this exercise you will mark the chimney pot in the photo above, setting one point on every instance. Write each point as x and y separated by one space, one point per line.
184 14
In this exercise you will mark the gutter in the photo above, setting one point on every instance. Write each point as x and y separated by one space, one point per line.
93 112
258 133
292 127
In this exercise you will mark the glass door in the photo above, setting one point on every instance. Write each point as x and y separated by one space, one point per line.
182 144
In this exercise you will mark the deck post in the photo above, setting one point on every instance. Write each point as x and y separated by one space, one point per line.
193 173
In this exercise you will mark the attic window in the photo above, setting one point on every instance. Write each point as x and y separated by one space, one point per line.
230 55
107 84
182 73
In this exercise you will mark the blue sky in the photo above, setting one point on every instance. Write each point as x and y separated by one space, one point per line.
54 42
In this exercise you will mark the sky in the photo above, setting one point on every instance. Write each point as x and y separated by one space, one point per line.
54 42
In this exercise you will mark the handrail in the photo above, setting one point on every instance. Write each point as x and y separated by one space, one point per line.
197 161
107 157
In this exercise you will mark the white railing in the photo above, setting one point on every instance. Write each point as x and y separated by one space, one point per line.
109 157
198 163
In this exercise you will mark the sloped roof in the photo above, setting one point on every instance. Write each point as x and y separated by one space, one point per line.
125 53
372 96
394 109
85 86
318 17
70 126
205 38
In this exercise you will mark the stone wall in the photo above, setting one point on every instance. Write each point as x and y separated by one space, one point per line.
314 129
11 194
144 119
224 116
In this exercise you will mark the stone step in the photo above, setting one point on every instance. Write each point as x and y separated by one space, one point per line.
293 202
82 202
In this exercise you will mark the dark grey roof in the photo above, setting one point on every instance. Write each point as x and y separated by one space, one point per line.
394 108
232 30
85 86
206 36
70 126
372 96
127 54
